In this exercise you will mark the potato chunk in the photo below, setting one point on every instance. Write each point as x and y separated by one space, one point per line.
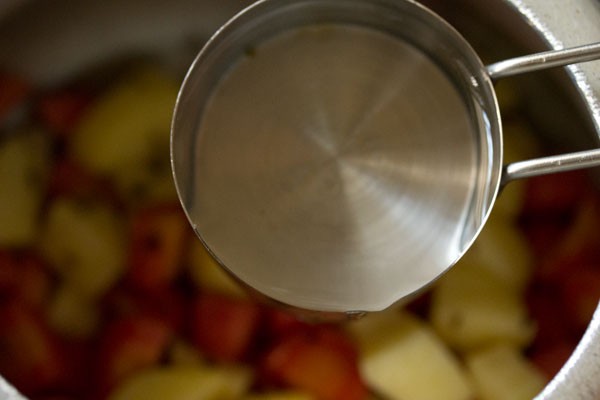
84 243
279 396
72 314
125 135
471 308
502 373
401 358
503 252
185 383
24 162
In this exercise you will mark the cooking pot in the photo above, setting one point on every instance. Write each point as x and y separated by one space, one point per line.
50 41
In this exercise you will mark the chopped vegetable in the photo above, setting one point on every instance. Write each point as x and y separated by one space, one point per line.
105 293
84 242
471 308
24 166
185 383
502 373
402 358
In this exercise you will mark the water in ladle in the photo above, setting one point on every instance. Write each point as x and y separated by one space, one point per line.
334 169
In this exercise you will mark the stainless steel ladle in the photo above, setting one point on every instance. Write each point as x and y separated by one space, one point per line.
341 155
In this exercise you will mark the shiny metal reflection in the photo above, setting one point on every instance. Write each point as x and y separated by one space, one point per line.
330 163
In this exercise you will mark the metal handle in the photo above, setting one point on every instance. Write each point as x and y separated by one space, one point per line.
547 59
536 62
550 165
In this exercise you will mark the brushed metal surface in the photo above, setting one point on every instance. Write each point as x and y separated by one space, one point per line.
337 165
334 170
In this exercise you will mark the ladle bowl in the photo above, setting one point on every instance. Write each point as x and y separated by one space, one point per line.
340 156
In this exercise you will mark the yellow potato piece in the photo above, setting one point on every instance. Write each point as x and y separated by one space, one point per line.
84 242
123 126
502 373
279 396
503 252
471 308
72 314
401 358
508 96
183 353
185 383
24 166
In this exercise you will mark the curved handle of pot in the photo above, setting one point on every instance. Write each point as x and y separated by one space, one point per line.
550 165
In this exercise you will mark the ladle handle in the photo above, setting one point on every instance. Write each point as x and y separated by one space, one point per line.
535 62
550 165
544 60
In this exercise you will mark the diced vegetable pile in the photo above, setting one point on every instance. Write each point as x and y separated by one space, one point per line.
105 293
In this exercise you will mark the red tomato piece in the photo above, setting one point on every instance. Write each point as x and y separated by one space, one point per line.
157 245
24 277
128 345
543 233
224 328
322 362
13 92
69 178
79 360
546 309
552 358
60 112
280 323
32 357
166 305
581 295
578 246
556 194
